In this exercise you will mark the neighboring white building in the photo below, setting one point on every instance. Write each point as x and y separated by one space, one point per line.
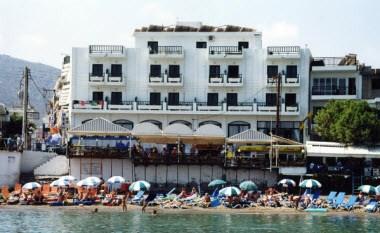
192 74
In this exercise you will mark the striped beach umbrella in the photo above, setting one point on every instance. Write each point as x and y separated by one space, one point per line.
140 185
31 185
60 183
310 184
87 183
377 190
368 189
248 186
94 179
230 191
287 183
70 179
217 182
116 180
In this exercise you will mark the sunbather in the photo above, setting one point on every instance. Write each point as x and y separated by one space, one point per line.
206 201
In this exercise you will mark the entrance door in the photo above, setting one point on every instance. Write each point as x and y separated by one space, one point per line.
155 70
290 99
116 70
173 98
97 70
174 71
155 98
271 99
97 96
214 71
212 99
233 71
232 99
272 71
116 98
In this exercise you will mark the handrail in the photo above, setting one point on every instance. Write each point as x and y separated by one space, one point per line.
233 50
166 50
322 90
239 77
114 49
283 50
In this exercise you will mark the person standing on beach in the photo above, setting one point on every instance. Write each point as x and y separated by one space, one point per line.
151 196
124 201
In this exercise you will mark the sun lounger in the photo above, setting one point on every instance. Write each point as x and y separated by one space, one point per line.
338 200
371 207
215 202
330 197
350 203
138 198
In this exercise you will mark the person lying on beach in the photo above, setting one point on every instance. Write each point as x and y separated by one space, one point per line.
206 201
182 194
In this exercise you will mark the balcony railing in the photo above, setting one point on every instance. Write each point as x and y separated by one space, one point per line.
216 78
241 107
291 107
147 105
96 77
289 80
90 104
186 159
225 50
334 61
174 78
181 106
283 50
106 49
156 78
203 106
266 107
292 79
167 50
235 78
123 105
323 90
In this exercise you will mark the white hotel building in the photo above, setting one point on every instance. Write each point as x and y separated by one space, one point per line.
191 74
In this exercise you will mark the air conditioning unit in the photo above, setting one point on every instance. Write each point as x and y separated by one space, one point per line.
211 38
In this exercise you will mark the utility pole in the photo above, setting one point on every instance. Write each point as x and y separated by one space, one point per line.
25 109
278 103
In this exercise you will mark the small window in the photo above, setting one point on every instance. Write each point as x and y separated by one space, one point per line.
201 44
243 45
376 84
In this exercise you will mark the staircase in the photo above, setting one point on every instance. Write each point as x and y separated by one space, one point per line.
55 167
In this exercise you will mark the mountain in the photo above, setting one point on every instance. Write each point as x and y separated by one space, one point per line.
11 70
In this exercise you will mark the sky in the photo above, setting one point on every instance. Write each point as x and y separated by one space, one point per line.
45 30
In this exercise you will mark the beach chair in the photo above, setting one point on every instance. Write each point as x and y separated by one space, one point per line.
5 191
330 197
350 203
215 194
338 200
215 202
138 198
371 207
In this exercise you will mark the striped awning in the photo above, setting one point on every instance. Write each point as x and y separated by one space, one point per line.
250 136
99 127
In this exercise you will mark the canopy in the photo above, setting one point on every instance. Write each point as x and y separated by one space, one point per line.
250 136
333 149
99 127
178 129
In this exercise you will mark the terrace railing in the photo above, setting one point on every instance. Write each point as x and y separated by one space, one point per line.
112 49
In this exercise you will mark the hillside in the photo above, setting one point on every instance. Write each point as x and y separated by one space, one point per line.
11 70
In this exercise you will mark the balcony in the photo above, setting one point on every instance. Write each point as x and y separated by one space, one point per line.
165 80
90 105
105 79
124 105
325 93
292 108
281 52
112 51
225 52
181 106
96 77
241 107
166 52
287 81
147 105
266 107
348 63
223 80
203 106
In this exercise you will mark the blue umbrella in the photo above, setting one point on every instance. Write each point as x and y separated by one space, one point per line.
217 182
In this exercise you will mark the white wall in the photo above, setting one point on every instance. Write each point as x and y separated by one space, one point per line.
32 159
10 163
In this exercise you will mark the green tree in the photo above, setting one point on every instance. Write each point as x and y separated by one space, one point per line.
348 122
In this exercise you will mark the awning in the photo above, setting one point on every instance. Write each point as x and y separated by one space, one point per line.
337 150
146 128
250 136
177 129
99 127
208 134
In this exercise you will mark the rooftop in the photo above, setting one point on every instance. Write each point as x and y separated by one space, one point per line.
348 60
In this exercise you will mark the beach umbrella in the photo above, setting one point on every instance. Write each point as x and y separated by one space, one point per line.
140 185
87 183
116 180
70 179
377 190
230 191
31 185
217 182
287 183
94 179
248 186
60 183
310 183
368 189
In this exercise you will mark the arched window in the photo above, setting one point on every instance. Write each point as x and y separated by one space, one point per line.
236 127
210 122
158 123
124 123
86 121
181 122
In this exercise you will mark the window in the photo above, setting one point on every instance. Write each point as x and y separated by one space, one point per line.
181 122
116 70
211 123
214 71
155 98
116 98
291 71
330 86
153 47
352 86
233 71
155 122
155 70
243 45
212 99
201 45
290 99
174 71
376 84
232 99
173 98
97 96
237 127
97 70
288 129
271 99
124 123
272 71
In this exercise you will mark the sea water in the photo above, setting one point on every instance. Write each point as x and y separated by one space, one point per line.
61 219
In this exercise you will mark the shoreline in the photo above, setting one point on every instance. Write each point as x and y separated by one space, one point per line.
190 210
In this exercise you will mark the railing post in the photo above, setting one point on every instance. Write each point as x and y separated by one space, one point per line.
134 105
194 106
224 107
164 106
283 109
